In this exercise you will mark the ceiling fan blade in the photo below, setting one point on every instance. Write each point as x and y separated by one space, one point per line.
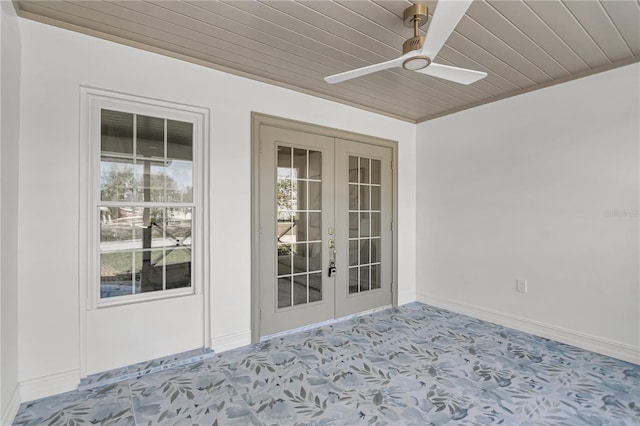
444 20
455 74
348 75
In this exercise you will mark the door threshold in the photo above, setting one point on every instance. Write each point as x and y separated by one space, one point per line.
323 323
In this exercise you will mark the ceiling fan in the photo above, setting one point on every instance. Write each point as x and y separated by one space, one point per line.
418 51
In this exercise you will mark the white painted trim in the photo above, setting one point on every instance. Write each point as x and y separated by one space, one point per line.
231 341
597 344
52 384
12 407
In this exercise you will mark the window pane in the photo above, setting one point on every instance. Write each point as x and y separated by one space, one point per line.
178 268
149 136
119 179
150 181
116 132
116 229
179 140
178 227
148 270
116 278
179 175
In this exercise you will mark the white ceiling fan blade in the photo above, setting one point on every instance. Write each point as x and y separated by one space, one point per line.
444 20
348 75
455 74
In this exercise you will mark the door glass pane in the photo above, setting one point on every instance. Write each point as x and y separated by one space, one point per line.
353 280
375 198
299 227
364 224
315 287
364 278
314 226
300 163
353 169
375 277
364 170
353 197
299 258
315 257
284 292
284 259
315 196
315 164
375 172
299 289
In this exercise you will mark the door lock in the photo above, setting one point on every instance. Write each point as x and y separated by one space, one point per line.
332 269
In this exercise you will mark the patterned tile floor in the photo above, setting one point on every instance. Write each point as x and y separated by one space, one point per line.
416 365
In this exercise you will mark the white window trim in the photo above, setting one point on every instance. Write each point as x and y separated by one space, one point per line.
92 101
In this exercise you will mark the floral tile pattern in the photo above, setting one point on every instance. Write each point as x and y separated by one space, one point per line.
415 365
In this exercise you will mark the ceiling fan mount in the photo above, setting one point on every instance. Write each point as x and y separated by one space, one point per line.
419 51
415 17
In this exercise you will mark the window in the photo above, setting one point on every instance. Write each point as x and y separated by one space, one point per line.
145 200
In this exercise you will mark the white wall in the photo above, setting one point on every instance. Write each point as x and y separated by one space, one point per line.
543 187
9 138
55 63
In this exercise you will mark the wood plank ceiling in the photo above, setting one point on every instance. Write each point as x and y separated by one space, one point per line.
522 45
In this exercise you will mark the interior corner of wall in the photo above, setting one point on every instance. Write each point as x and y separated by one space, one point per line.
10 409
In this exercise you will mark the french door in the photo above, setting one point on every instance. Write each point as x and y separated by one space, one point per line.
325 243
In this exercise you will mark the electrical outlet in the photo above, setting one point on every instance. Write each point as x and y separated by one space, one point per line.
521 286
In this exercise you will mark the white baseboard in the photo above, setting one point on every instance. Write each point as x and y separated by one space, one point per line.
597 344
9 412
52 384
406 297
231 341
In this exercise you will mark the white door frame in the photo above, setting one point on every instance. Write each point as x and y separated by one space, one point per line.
259 119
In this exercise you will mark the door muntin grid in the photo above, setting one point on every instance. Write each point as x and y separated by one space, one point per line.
298 226
364 210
